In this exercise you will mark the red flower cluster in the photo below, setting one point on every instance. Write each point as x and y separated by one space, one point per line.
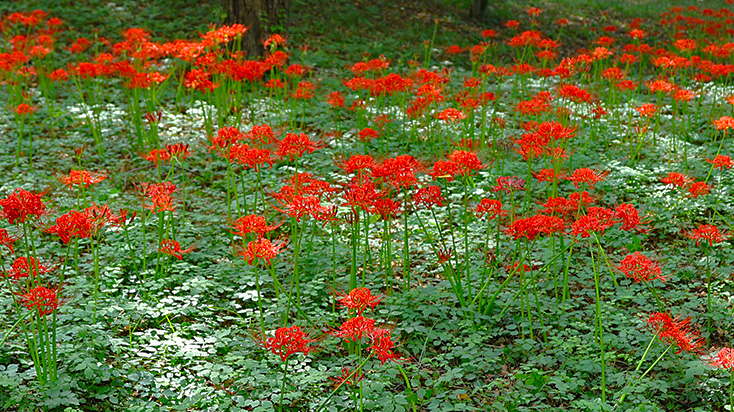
709 233
288 341
40 299
358 299
723 358
533 226
490 207
82 178
173 248
22 204
161 194
676 331
639 267
261 248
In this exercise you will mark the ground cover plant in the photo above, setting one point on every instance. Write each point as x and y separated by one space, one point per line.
496 225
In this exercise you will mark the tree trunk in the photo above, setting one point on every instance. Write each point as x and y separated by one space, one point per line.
263 17
478 9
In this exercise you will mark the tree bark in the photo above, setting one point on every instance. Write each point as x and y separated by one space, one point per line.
478 9
261 16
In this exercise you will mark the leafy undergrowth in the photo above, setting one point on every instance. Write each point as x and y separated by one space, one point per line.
185 229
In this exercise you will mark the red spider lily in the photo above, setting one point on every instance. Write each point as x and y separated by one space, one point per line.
721 162
261 135
639 267
173 248
72 225
629 216
304 91
382 345
390 84
82 178
295 145
40 299
261 248
724 123
358 163
444 254
354 329
336 99
288 341
445 169
252 224
157 155
398 171
509 184
199 80
677 179
21 204
723 358
560 205
178 151
548 175
533 226
7 240
583 198
585 224
676 331
467 161
250 157
367 134
360 196
300 206
100 216
698 189
647 110
274 40
709 233
575 94
637 34
451 115
586 175
386 208
492 208
453 49
606 217
428 197
358 299
226 137
347 377
161 194
24 267
24 109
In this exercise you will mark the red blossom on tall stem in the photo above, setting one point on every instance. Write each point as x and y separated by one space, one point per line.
40 299
676 179
173 248
295 145
639 267
7 240
721 162
288 341
261 248
533 226
709 233
252 224
676 331
723 359
586 175
22 204
358 299
490 207
82 178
